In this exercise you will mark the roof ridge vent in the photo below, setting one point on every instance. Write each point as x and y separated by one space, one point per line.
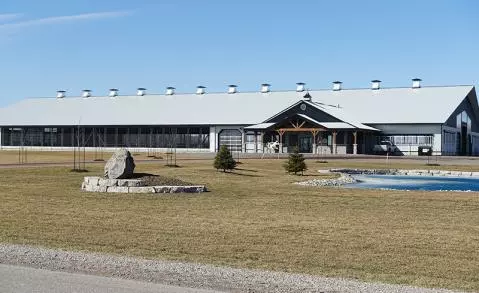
300 86
200 90
141 91
307 97
232 89
60 94
337 85
375 84
86 93
416 83
265 88
170 91
113 93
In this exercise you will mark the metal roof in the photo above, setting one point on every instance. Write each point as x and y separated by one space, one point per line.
329 125
260 126
395 105
342 115
337 125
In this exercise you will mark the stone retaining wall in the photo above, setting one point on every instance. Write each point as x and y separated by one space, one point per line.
98 184
414 172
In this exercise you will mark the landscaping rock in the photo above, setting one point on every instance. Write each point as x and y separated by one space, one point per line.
97 184
117 189
107 182
342 180
141 189
131 182
120 166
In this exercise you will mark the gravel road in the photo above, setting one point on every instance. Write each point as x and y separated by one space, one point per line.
188 274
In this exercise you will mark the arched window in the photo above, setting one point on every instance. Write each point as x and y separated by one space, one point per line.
231 138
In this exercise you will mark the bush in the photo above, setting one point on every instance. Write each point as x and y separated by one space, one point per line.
295 163
224 160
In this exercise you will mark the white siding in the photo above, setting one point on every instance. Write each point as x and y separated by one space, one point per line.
213 137
413 130
390 129
437 144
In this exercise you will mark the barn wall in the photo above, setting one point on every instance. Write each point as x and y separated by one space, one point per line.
471 110
453 126
411 133
408 128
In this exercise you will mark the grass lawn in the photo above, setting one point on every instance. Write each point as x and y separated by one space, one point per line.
12 156
255 218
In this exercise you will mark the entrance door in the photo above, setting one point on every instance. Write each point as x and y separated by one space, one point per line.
305 144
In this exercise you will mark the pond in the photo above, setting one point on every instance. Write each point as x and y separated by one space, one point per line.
431 183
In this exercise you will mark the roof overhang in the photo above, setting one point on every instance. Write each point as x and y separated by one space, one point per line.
260 126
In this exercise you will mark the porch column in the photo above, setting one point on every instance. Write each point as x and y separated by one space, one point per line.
335 149
314 133
255 142
355 143
281 140
280 143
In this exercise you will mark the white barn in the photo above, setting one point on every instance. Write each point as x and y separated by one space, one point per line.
333 121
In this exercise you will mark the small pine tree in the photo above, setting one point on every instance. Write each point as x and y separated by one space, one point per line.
224 160
295 163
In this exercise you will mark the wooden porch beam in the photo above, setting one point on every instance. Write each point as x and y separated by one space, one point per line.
301 130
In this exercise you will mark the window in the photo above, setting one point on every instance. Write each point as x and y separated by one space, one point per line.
231 138
409 139
250 137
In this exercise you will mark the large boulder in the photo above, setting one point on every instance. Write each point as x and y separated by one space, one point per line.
120 166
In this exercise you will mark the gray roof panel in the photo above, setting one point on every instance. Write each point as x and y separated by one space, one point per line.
395 105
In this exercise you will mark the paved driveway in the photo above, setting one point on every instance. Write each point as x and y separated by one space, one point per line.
16 279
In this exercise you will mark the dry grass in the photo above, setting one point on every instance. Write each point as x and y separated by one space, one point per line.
14 156
254 218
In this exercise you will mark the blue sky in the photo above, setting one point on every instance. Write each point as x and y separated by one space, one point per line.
90 44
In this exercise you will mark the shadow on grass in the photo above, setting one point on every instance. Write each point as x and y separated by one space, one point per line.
79 170
247 170
239 174
245 175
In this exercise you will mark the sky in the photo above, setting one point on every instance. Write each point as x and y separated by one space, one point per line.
52 45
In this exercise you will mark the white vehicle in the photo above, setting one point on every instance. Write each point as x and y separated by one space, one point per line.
384 147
